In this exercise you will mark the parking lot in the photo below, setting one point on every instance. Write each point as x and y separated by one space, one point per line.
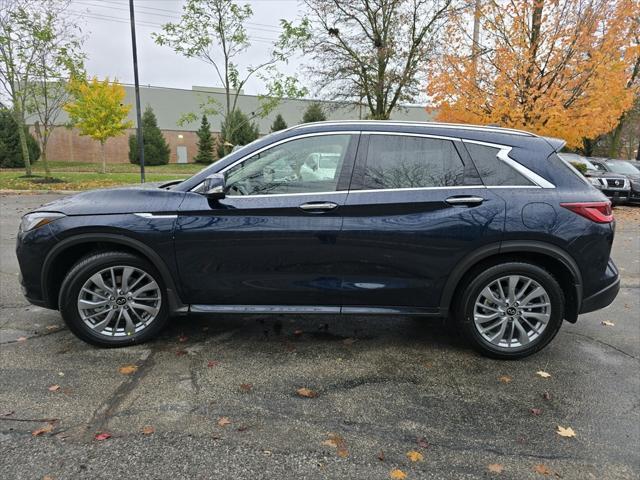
219 397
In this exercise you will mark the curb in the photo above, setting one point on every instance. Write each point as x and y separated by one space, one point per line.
39 192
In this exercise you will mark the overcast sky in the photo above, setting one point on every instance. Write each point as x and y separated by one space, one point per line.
105 24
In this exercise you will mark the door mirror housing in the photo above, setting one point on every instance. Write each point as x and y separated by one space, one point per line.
214 186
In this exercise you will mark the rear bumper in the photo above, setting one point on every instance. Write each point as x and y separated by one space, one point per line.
602 298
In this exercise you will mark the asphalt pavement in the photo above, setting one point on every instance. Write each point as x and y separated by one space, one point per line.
216 397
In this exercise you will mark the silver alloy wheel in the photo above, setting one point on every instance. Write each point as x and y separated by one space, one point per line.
512 311
119 301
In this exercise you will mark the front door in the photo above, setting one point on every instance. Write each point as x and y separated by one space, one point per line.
415 209
181 154
272 240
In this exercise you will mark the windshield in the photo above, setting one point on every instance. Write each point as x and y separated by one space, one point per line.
624 168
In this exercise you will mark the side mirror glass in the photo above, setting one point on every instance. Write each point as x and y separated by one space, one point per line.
214 186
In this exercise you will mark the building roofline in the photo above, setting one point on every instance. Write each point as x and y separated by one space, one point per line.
459 126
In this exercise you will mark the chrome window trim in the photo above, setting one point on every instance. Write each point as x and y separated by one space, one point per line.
503 154
409 189
275 144
300 194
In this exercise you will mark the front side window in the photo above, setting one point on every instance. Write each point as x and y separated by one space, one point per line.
303 165
398 161
492 170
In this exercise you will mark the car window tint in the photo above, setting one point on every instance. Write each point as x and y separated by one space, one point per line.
304 165
492 170
397 161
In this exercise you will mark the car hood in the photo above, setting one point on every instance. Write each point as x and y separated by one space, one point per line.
139 199
599 174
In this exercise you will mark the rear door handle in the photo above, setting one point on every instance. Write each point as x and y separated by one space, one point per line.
318 206
465 200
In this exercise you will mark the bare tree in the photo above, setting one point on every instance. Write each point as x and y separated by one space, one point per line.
61 59
373 51
23 37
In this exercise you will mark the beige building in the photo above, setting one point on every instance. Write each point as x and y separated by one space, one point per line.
169 104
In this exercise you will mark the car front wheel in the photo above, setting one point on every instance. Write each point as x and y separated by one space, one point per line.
113 299
510 310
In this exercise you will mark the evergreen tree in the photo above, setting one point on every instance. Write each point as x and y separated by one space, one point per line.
278 124
10 149
236 130
205 142
156 150
314 113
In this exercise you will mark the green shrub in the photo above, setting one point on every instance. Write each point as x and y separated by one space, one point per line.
10 150
156 150
581 167
205 142
314 113
278 124
236 130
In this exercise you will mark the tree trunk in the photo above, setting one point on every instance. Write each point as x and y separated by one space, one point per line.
43 158
104 158
475 47
614 146
23 142
638 153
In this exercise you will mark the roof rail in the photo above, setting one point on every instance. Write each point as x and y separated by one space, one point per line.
461 126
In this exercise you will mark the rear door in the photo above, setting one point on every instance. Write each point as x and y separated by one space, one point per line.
415 208
272 240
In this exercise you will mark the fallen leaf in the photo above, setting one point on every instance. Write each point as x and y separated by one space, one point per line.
53 327
242 428
245 387
535 411
546 396
128 369
543 374
422 442
415 456
566 432
182 338
397 474
306 392
7 414
47 477
180 353
54 388
505 379
380 456
21 339
338 442
224 421
542 469
343 452
42 430
212 363
607 323
495 468
148 430
102 436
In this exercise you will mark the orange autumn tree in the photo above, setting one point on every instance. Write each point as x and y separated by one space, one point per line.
554 67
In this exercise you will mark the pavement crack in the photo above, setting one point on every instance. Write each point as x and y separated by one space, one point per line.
108 408
605 344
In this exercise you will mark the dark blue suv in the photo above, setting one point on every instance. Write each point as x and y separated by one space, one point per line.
487 226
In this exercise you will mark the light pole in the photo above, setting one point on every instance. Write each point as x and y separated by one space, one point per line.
139 136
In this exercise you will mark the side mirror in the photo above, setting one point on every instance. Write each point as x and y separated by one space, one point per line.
214 186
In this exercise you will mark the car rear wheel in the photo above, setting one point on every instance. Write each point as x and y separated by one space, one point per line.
510 310
113 299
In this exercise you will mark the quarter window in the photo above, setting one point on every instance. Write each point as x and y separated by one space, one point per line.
492 170
398 161
304 165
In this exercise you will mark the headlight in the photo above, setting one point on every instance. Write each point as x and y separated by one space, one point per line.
595 182
35 220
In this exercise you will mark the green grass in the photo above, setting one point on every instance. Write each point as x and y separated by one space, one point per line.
85 176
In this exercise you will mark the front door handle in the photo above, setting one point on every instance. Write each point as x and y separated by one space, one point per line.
318 206
465 200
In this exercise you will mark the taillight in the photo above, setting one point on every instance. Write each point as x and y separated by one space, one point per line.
599 212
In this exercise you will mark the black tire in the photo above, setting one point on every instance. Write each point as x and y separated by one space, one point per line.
474 284
81 272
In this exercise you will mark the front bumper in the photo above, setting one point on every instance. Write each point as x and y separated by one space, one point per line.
616 196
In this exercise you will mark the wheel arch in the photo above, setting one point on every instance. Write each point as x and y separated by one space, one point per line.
68 251
546 255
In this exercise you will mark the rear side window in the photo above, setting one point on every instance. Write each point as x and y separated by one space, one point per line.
397 161
492 170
